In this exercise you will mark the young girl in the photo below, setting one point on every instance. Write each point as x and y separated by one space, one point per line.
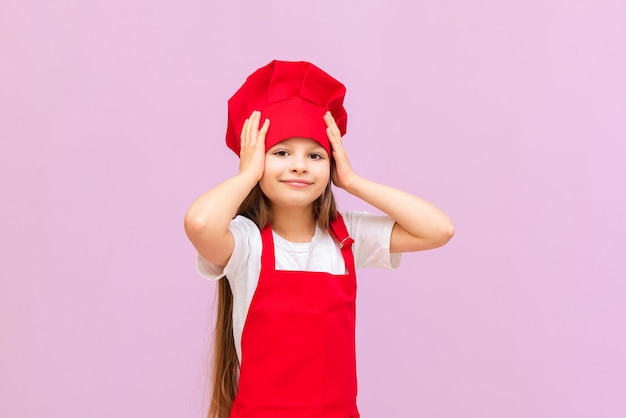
285 331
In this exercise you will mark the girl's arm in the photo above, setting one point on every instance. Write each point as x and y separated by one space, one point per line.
419 224
208 218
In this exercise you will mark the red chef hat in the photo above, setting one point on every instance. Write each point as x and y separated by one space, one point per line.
294 96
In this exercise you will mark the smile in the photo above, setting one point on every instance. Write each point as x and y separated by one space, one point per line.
296 183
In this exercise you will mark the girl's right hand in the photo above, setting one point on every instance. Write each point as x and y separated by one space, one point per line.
252 153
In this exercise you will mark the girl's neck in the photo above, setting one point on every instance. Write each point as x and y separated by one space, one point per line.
295 225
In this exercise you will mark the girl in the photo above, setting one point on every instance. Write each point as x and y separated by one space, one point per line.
284 337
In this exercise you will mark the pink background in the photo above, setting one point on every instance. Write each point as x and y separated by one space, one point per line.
507 115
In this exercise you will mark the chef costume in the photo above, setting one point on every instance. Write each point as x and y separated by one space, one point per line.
298 356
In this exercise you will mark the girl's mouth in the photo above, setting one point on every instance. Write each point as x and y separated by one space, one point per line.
297 183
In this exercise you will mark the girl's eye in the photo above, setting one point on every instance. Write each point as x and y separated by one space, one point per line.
281 153
316 156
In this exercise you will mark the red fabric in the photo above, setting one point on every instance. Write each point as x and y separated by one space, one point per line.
293 96
298 342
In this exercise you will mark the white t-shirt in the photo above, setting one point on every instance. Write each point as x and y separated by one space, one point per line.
371 234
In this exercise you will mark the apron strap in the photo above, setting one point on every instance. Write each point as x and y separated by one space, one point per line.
339 231
267 251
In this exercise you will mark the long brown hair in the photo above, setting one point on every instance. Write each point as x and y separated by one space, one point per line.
225 366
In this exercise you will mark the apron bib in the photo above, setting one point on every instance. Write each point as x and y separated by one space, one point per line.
298 342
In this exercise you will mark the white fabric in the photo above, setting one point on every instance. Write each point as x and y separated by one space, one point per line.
371 234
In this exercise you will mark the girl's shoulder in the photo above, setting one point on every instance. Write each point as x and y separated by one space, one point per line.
362 221
372 235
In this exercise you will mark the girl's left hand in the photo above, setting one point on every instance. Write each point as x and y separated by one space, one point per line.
342 173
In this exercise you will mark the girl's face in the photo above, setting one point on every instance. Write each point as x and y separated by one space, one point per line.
297 171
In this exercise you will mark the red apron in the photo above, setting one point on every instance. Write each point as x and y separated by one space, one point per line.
298 342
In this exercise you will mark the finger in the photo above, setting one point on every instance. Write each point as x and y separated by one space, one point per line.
249 125
255 124
264 129
335 139
328 118
243 138
335 129
332 127
248 130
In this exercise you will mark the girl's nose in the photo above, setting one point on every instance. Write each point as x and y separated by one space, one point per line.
299 164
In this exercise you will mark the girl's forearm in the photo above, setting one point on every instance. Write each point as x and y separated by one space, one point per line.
417 216
212 211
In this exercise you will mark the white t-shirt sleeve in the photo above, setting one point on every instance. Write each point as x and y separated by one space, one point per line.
246 235
372 238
